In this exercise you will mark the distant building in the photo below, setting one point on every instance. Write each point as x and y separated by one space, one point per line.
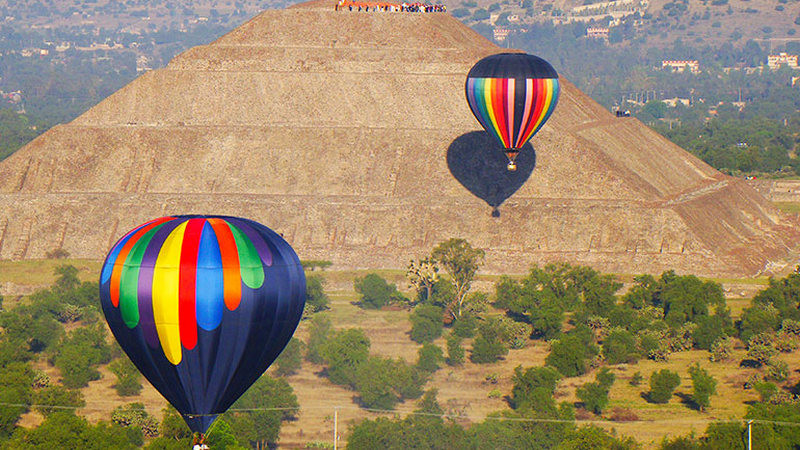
776 61
673 102
500 34
597 33
682 66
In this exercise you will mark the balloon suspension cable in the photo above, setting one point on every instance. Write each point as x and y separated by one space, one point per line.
511 154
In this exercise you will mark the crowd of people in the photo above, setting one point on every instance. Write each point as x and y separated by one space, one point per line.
391 7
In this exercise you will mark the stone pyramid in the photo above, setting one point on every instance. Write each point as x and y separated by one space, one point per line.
348 132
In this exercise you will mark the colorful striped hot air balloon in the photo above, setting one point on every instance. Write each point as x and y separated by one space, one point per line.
202 305
512 95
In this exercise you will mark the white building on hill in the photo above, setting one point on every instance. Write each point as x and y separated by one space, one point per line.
776 61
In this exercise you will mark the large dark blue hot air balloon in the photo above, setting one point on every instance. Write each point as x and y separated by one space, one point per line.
202 305
512 95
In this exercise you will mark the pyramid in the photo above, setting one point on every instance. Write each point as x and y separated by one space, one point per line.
348 133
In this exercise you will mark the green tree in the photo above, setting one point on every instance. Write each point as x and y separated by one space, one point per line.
291 358
429 357
382 382
267 404
375 292
426 323
63 429
532 383
461 262
316 299
57 398
15 389
79 353
318 333
455 351
570 354
344 353
620 347
128 377
662 385
490 345
594 395
703 386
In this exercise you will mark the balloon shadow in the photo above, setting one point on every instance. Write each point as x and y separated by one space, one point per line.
477 161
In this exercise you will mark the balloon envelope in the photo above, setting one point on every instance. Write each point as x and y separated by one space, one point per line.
512 95
202 305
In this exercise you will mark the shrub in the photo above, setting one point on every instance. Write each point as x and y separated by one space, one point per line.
570 355
316 299
593 396
721 349
375 291
291 358
662 384
620 347
455 351
465 326
426 323
703 386
344 353
530 381
623 415
318 333
785 342
636 379
486 350
430 356
127 377
134 415
777 370
766 390
52 398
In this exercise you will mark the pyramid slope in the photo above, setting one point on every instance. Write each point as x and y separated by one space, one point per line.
341 130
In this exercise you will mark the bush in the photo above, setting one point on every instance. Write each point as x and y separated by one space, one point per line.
128 377
486 350
489 346
528 382
291 358
134 415
593 396
623 415
51 399
662 384
570 355
785 342
316 299
344 353
430 356
721 349
426 323
318 333
77 355
777 370
703 386
375 291
636 379
620 347
455 351
766 390
465 326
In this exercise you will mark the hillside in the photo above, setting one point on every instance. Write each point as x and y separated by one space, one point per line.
334 139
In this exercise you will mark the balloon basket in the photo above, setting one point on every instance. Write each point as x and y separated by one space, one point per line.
512 166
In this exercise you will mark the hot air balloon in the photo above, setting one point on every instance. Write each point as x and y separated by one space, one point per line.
512 95
202 305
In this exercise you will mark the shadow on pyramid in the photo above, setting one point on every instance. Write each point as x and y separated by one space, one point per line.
479 164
